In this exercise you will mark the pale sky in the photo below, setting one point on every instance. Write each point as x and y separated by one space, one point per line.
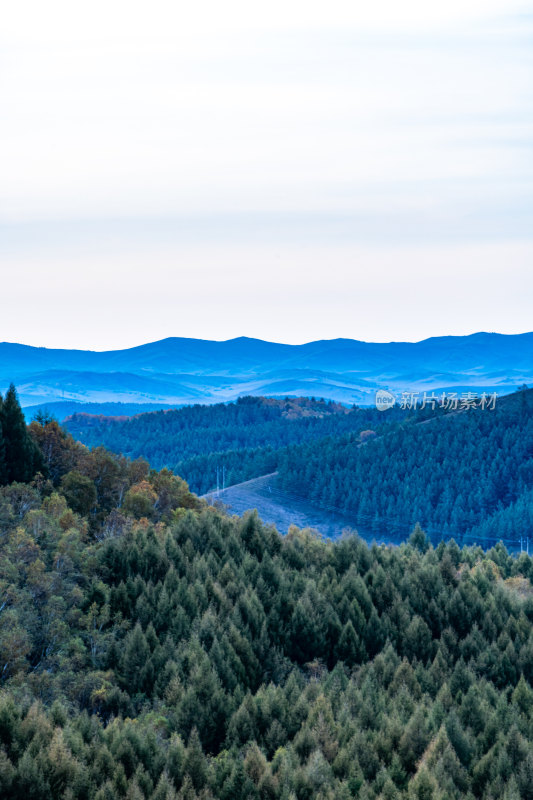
286 170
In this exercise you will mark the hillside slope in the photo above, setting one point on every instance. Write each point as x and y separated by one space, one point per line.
467 474
238 440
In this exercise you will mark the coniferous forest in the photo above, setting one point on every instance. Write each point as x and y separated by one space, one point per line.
467 474
152 647
246 438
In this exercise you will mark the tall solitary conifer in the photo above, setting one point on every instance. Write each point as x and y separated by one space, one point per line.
22 457
3 464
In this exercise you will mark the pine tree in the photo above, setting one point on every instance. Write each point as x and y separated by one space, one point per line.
525 778
423 786
418 539
164 789
349 647
22 456
3 463
195 765
136 655
523 696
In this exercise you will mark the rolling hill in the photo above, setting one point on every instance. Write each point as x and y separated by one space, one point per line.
237 441
177 371
466 474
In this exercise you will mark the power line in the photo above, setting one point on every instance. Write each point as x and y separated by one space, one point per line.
275 492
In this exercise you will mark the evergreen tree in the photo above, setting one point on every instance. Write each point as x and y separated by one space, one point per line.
135 659
3 462
195 765
349 647
22 456
418 539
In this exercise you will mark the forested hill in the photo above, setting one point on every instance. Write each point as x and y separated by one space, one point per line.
153 648
241 440
467 474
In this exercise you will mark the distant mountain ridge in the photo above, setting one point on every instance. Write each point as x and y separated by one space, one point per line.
176 371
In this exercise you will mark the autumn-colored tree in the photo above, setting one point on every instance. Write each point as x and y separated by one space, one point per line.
140 500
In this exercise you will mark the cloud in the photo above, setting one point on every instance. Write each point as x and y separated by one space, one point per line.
117 113
174 129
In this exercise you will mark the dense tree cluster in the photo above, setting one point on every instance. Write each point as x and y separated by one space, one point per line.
102 487
245 438
153 648
468 474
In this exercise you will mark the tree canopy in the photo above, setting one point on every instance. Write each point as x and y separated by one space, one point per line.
154 648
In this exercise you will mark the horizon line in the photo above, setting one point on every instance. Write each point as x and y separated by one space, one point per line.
266 341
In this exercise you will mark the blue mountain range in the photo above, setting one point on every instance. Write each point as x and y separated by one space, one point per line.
176 371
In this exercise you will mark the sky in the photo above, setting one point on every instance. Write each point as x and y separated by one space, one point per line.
285 170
